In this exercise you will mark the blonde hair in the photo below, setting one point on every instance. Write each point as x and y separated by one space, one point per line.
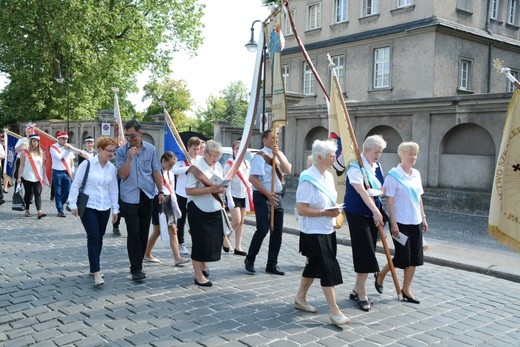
406 147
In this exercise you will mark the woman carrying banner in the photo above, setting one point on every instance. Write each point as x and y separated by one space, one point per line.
239 197
205 207
171 210
403 190
364 215
101 187
316 203
32 174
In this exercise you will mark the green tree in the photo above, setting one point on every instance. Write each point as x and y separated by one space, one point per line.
95 44
230 106
175 94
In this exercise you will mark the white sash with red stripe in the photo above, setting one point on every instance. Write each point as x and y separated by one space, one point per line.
63 161
33 165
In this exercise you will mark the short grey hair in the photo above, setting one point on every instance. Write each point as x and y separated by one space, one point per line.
213 147
322 149
373 142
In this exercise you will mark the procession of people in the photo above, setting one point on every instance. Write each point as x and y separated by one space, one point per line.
196 192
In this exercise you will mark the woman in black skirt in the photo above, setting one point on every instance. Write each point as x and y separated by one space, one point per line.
316 205
204 211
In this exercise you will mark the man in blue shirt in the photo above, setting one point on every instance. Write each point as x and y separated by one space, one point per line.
139 168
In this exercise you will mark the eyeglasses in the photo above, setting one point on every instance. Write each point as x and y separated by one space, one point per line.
109 151
131 136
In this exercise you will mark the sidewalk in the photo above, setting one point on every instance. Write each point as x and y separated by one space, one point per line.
501 263
47 298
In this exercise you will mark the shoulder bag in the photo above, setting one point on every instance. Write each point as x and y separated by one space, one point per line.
82 197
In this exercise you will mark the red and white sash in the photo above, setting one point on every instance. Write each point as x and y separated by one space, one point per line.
249 201
33 165
63 161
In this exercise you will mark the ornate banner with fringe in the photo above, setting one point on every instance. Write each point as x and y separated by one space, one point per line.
504 210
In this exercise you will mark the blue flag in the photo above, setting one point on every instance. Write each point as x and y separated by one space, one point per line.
10 155
170 144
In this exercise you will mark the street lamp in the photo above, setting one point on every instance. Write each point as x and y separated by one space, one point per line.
59 78
252 47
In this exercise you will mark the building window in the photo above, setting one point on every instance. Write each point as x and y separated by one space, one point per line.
381 67
403 3
370 7
285 76
341 11
510 85
464 5
465 74
339 61
314 16
493 9
287 29
309 82
511 12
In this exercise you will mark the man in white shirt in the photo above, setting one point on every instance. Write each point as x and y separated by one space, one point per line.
62 167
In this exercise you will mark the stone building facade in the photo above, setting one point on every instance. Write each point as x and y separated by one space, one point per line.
410 70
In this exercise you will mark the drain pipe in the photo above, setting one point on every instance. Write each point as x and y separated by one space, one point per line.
490 47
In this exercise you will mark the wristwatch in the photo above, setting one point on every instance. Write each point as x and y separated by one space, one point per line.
161 193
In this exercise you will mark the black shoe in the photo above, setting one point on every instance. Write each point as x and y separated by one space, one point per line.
2 202
61 214
226 249
116 231
138 276
274 270
242 253
207 284
410 299
205 272
249 265
379 287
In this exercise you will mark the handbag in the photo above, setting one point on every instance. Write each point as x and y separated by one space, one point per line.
163 227
82 197
18 203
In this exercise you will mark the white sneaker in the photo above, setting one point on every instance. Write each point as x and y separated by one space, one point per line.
183 250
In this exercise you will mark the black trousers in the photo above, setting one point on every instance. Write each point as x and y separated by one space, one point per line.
137 218
262 213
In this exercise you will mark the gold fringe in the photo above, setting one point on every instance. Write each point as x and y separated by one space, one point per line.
503 238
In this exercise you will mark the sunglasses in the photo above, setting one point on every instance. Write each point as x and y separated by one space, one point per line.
131 136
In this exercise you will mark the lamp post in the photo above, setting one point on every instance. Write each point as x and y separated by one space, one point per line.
59 78
252 46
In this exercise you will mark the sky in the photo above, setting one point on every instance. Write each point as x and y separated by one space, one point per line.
222 58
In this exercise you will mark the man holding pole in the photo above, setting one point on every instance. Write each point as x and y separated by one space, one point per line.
265 198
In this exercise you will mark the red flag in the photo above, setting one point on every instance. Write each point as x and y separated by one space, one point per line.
46 141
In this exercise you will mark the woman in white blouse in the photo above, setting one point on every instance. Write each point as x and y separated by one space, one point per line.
239 197
102 189
316 205
205 211
32 174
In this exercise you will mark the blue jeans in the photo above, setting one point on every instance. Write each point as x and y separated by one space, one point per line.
95 224
263 216
61 182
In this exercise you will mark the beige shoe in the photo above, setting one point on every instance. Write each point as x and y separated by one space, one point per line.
98 279
152 259
181 261
304 307
339 319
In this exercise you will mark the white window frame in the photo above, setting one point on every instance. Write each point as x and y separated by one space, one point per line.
465 71
381 77
511 12
464 5
370 7
340 11
309 81
339 61
287 29
493 9
403 3
314 16
510 85
286 71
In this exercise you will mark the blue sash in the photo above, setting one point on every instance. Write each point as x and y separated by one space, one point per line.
411 191
371 178
332 195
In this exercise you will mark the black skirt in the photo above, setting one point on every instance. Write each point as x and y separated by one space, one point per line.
206 234
363 238
321 250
